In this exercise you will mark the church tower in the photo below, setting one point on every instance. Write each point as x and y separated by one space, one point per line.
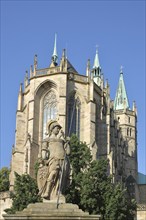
96 71
127 121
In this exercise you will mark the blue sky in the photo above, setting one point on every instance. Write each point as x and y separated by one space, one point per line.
28 28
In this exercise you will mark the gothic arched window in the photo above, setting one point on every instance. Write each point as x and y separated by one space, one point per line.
74 110
49 109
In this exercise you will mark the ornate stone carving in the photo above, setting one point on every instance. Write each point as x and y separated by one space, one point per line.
54 168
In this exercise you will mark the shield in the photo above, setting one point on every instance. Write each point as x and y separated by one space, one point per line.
42 177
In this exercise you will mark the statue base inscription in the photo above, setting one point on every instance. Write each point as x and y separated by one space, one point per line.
39 211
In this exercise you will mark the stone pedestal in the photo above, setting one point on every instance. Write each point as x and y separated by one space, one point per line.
43 211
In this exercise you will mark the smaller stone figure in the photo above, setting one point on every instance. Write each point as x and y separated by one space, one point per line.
54 168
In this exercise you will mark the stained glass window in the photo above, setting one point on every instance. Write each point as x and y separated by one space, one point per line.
49 109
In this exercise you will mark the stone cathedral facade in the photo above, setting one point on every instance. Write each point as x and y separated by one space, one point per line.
82 105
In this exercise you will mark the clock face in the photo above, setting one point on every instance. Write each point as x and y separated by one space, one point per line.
131 147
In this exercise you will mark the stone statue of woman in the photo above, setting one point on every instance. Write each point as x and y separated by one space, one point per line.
54 168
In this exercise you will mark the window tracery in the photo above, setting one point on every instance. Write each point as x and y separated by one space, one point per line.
49 109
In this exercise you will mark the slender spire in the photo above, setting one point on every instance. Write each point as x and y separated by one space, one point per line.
35 64
55 56
121 99
63 63
26 81
96 70
96 60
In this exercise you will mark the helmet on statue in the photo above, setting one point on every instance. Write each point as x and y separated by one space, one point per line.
51 125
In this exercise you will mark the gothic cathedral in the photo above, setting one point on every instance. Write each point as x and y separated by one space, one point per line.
82 105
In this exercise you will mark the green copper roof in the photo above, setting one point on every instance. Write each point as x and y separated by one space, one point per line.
96 60
141 178
55 56
121 99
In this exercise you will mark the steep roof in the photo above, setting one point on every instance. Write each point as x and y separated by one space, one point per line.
96 60
121 99
70 67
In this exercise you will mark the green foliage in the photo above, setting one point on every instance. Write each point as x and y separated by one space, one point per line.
25 192
80 159
92 189
4 179
36 167
118 205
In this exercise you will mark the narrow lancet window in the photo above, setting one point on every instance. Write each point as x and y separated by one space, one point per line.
74 111
130 131
49 109
127 131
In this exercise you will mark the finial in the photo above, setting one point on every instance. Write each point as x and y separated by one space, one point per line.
97 46
88 68
63 54
55 56
35 62
106 83
20 99
26 74
63 66
121 69
134 107
31 71
21 90
26 79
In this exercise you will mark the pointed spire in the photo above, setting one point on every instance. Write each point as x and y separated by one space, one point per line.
64 54
96 60
121 99
88 68
31 71
55 56
96 70
26 82
20 95
63 63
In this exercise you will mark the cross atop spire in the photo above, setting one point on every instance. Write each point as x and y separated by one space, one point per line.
121 69
121 99
55 56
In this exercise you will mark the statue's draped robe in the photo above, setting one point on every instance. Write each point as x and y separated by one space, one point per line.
50 172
